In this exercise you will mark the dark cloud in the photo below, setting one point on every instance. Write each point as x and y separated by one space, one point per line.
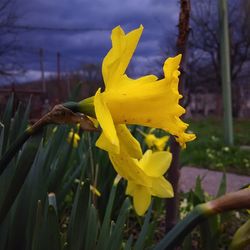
158 18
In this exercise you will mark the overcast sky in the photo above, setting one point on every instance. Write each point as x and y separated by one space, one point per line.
159 18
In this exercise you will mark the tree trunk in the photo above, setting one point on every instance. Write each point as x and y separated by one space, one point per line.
172 205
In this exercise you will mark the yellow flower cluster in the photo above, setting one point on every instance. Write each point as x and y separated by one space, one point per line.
145 101
154 142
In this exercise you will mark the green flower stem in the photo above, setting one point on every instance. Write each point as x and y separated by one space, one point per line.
60 114
231 201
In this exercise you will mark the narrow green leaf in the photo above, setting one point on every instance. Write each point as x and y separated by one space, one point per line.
78 218
1 141
23 166
67 184
184 227
38 227
187 243
143 234
51 228
115 241
105 229
129 242
223 186
25 117
198 191
7 119
15 125
208 231
92 229
58 172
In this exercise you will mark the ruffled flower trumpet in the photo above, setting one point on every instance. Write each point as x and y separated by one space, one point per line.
144 101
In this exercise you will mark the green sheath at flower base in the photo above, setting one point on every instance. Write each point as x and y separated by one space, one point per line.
87 107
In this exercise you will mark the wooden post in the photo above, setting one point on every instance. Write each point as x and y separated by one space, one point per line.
172 205
225 73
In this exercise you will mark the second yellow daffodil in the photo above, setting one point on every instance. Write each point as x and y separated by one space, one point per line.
145 176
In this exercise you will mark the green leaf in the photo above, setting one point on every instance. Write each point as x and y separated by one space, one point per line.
129 242
143 234
38 227
7 120
51 228
223 186
15 125
180 230
24 164
187 243
78 217
1 141
117 232
198 191
57 173
92 229
105 229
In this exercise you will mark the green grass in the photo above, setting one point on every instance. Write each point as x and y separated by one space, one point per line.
209 150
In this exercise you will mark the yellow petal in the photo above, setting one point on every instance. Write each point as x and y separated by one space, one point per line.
125 81
162 188
128 143
106 122
130 188
116 61
185 137
145 158
160 143
129 169
105 144
150 140
157 163
170 66
141 199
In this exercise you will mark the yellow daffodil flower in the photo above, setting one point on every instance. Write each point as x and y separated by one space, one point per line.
73 136
144 101
159 143
145 176
154 142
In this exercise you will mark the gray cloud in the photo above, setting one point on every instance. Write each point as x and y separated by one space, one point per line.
157 16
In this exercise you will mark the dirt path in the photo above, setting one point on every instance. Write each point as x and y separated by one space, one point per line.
211 180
